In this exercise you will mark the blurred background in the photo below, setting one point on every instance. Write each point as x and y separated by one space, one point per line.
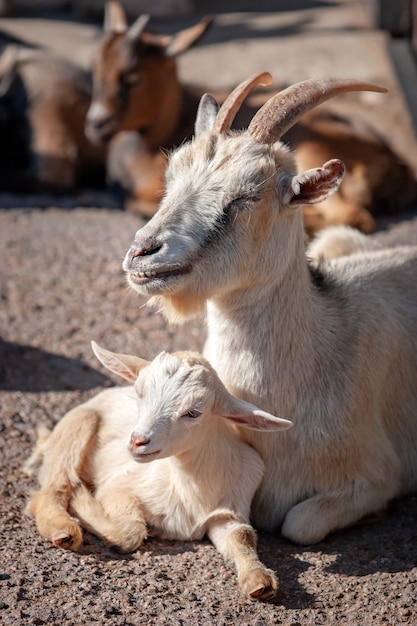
370 40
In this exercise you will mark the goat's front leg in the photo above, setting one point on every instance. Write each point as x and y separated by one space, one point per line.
237 544
114 515
64 455
313 519
49 507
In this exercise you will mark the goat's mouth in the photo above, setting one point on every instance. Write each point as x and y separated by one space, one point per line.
157 278
143 457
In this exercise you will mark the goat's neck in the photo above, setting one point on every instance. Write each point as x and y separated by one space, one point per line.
261 338
168 115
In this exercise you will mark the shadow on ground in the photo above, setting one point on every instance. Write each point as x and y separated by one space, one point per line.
28 369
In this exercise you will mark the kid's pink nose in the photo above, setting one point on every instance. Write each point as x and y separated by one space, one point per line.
136 442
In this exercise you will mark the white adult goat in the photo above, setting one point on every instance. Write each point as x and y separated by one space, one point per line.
201 480
334 349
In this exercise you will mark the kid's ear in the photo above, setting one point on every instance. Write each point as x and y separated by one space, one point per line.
124 365
315 185
249 416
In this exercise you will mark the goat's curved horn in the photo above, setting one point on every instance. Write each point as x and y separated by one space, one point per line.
234 100
284 109
138 26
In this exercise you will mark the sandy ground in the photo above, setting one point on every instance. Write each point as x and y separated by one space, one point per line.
61 285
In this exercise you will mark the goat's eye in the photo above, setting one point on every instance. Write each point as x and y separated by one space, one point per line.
234 204
131 78
240 203
193 414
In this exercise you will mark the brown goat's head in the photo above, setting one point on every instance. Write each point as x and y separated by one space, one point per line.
135 85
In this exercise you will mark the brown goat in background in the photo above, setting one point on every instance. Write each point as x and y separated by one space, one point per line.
139 103
44 102
376 182
136 88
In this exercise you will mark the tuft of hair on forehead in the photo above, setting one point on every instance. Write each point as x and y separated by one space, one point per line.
173 377
166 364
226 158
192 358
171 363
210 147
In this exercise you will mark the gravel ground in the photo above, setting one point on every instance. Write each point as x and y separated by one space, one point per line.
61 285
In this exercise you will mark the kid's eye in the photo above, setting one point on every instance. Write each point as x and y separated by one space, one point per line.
193 414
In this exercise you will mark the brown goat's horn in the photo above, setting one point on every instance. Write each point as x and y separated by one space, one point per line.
138 26
234 100
284 109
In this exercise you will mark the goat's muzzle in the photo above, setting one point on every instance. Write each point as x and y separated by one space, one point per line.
137 448
136 442
100 125
140 249
145 247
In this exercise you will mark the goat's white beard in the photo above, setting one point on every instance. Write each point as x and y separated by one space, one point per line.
179 308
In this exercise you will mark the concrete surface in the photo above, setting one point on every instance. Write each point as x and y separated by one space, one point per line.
61 285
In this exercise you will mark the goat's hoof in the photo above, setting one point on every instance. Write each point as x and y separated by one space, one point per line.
260 584
124 548
69 539
128 543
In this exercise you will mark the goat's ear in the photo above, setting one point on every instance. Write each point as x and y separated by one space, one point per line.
249 416
123 365
114 17
314 185
206 114
184 39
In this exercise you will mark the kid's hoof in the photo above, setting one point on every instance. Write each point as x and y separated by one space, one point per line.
67 540
261 585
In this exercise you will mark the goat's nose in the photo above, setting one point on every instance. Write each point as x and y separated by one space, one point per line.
98 114
103 128
137 442
100 123
140 248
97 124
145 247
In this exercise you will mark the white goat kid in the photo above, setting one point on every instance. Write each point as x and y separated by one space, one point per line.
334 348
201 480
